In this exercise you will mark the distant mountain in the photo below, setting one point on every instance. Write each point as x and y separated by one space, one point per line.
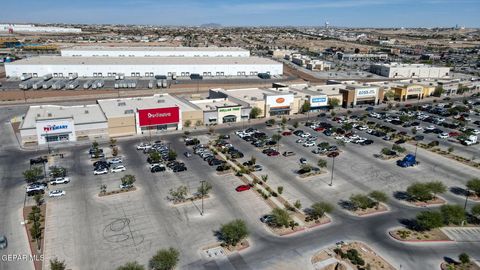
211 25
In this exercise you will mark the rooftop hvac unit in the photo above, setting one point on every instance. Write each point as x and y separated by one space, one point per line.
122 104
49 115
253 98
161 101
38 115
86 112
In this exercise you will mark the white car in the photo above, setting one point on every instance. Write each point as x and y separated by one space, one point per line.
418 128
305 135
60 180
476 131
115 161
144 146
118 168
431 127
339 137
309 144
300 141
56 193
101 171
443 135
155 165
362 128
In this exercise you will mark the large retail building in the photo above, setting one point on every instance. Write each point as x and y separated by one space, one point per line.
50 123
397 70
92 51
147 115
142 66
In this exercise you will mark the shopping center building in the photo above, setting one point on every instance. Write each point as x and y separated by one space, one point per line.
51 123
222 110
147 115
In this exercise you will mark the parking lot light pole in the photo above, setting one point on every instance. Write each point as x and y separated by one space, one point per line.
203 192
467 192
332 155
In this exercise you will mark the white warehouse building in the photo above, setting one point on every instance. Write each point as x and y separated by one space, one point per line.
62 66
91 51
37 29
397 70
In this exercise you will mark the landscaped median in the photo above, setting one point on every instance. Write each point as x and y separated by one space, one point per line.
288 218
366 205
352 255
427 226
432 147
35 228
125 186
423 194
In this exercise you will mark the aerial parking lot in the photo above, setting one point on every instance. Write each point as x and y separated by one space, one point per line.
109 203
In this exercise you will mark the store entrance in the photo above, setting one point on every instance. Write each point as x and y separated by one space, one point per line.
229 119
57 138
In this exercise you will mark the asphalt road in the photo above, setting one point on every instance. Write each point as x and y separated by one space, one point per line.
184 228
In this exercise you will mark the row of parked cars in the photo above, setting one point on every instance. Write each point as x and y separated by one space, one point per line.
208 156
166 158
57 176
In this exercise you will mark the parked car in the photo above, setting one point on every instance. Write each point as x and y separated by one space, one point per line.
257 167
144 146
3 242
268 219
242 188
303 160
288 153
443 136
100 171
118 168
115 161
223 167
179 168
157 168
187 154
38 160
125 186
56 193
286 133
60 180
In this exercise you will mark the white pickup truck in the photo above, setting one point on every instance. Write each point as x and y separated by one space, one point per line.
60 180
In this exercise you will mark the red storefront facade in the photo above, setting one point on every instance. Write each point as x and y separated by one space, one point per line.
158 119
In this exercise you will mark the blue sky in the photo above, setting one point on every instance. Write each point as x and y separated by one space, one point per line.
361 13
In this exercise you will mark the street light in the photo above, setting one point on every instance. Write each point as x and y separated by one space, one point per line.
332 155
467 193
203 192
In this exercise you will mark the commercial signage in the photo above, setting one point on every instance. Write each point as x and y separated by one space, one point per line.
317 101
54 127
229 109
279 101
159 116
414 90
366 92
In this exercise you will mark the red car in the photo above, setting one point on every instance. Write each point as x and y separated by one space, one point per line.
286 133
454 134
242 188
273 153
319 129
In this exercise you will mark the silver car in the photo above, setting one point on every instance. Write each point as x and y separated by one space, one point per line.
3 242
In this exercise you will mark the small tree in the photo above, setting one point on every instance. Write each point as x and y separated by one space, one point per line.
165 259
464 258
428 220
94 145
298 204
198 123
306 106
103 189
281 217
438 91
178 194
284 120
204 188
450 149
474 185
276 138
155 157
131 266
436 187
187 123
264 178
113 142
115 151
38 199
128 179
475 210
333 103
280 189
361 201
253 160
233 232
33 174
295 124
172 154
255 112
419 192
322 163
378 197
318 210
56 264
453 214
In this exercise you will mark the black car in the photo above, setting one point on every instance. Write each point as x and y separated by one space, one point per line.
327 132
223 167
193 141
35 192
366 142
237 154
224 137
38 160
298 132
248 163
101 162
215 162
419 138
157 169
179 168
400 141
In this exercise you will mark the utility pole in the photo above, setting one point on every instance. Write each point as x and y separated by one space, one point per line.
416 147
203 192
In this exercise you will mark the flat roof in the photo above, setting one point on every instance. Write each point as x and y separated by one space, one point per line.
250 95
398 65
98 60
312 90
117 107
153 49
81 114
213 104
